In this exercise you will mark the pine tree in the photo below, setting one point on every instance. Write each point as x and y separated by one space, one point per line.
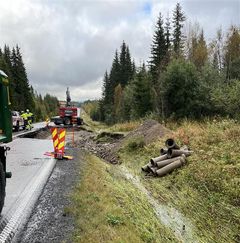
178 19
158 50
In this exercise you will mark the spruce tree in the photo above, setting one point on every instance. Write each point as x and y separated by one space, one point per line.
6 66
158 50
168 39
23 92
114 77
178 19
141 93
125 63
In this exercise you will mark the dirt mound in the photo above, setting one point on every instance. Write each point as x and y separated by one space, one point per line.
106 144
150 131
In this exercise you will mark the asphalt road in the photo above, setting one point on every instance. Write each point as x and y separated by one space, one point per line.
49 221
30 171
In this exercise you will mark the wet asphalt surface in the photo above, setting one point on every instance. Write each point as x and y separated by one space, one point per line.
49 222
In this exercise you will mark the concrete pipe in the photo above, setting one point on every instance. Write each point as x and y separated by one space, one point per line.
153 170
169 168
146 168
163 151
157 159
163 163
171 144
177 152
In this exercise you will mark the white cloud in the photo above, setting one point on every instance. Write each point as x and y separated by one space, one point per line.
72 43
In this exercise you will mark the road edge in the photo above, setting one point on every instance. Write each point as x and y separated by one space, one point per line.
19 217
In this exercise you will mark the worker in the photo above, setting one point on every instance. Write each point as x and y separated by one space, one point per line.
25 119
29 119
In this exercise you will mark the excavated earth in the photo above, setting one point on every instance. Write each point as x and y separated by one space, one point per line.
106 145
49 222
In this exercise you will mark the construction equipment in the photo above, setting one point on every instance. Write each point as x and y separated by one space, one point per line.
5 133
68 115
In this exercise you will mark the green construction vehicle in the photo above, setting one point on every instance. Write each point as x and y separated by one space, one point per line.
5 133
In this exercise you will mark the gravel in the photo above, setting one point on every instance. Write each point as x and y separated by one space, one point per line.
49 222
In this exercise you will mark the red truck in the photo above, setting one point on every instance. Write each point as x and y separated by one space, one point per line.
68 115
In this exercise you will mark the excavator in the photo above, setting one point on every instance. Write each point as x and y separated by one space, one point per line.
68 115
5 133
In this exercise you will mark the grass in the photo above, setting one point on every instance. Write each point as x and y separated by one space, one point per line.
100 127
207 189
108 208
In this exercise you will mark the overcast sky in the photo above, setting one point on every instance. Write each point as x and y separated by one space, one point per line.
72 42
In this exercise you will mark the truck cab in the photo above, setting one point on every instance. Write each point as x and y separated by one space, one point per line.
5 132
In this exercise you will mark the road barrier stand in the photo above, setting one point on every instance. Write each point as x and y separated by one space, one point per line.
58 137
61 143
54 132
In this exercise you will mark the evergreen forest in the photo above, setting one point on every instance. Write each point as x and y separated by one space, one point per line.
185 76
22 94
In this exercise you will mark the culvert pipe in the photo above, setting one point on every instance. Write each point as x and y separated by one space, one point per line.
178 152
153 169
169 168
163 163
157 159
163 151
171 144
146 168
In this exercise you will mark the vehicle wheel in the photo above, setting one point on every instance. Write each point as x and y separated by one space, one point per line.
57 123
79 121
17 127
2 186
67 121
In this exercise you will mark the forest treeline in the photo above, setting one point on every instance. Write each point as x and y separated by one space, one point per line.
22 95
184 77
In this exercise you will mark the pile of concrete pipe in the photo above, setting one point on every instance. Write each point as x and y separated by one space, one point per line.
171 158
